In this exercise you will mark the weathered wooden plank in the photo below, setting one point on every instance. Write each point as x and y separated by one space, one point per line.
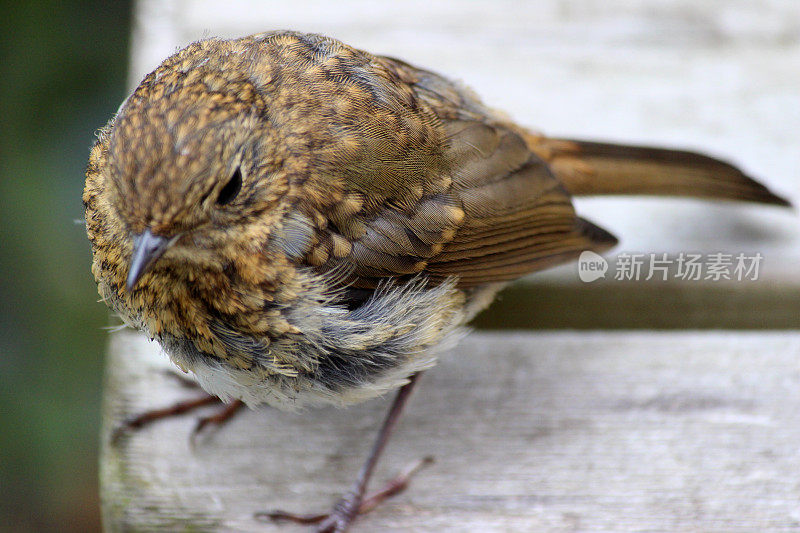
546 303
553 431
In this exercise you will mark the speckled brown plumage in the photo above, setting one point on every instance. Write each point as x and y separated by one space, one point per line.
354 169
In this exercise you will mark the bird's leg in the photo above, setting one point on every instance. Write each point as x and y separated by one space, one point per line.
353 502
136 422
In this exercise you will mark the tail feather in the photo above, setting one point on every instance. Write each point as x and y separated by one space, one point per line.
594 168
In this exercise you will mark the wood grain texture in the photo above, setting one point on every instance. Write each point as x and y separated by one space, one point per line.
530 432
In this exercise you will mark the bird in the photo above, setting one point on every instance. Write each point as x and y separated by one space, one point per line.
298 222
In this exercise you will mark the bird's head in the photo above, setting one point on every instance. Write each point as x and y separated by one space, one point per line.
189 160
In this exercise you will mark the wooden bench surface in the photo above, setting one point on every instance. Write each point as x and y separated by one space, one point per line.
567 431
683 430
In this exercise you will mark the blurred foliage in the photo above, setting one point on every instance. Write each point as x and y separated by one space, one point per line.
63 75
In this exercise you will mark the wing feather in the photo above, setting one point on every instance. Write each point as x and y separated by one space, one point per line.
494 211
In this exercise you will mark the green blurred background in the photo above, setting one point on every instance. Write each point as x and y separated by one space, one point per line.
64 70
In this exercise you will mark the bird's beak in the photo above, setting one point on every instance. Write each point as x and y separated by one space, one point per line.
146 249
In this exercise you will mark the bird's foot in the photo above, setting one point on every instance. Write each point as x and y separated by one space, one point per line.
349 506
136 422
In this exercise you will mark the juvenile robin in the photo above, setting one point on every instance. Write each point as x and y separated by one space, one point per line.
298 222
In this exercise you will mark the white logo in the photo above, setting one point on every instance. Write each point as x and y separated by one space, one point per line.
591 266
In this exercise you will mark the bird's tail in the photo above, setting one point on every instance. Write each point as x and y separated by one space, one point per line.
593 168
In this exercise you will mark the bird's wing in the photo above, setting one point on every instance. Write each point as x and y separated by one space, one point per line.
518 218
493 212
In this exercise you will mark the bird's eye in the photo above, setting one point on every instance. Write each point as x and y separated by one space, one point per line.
231 189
